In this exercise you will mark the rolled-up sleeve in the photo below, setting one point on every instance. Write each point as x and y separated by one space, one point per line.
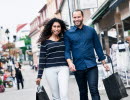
42 60
67 46
97 46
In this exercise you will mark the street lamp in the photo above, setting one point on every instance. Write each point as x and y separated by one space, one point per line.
7 32
14 52
1 28
14 38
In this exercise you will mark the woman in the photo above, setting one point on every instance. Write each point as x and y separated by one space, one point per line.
18 75
52 59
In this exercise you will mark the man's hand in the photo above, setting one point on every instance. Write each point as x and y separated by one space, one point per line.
38 80
107 68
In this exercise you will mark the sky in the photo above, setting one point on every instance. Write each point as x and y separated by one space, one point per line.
14 12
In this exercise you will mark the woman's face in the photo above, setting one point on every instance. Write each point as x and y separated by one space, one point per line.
56 28
17 65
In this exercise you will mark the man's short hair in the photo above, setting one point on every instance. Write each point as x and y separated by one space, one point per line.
78 10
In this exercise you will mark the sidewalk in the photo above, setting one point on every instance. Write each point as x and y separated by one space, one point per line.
73 89
74 93
29 92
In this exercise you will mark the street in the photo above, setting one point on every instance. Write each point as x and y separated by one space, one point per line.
49 32
29 92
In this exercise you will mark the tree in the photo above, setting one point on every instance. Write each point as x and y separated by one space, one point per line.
129 32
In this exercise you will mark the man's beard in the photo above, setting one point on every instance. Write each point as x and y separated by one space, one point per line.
81 22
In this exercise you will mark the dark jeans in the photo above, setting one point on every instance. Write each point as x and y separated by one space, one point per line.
19 80
88 77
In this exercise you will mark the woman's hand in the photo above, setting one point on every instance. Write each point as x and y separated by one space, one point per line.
72 67
38 80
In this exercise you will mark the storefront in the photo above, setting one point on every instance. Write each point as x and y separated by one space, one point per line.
113 15
111 18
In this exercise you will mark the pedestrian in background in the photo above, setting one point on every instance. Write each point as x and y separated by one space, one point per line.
7 79
82 40
52 59
18 75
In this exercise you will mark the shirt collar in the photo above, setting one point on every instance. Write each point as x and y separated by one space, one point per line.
75 28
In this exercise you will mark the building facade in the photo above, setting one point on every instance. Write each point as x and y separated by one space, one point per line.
49 10
113 15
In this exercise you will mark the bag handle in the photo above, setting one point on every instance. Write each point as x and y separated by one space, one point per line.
38 88
109 59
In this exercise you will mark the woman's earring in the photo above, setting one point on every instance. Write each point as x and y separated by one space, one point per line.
51 31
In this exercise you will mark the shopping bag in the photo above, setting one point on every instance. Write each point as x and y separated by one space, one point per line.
114 86
41 94
2 88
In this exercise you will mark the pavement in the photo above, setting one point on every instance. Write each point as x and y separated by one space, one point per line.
29 91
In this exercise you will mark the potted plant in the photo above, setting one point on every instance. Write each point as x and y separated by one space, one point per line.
0 81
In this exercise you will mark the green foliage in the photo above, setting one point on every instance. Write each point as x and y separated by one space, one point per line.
24 49
27 40
0 82
129 32
92 25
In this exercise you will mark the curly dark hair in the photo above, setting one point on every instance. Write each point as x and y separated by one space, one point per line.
46 33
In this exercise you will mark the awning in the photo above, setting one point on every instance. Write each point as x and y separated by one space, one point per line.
108 5
117 3
101 11
100 14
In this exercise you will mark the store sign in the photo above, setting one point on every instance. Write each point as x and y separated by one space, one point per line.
86 4
19 44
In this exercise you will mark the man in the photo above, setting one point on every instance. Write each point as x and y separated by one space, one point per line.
81 40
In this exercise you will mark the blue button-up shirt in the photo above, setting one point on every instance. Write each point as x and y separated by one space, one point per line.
82 43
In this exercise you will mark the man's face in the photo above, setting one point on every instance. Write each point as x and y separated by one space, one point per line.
77 18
